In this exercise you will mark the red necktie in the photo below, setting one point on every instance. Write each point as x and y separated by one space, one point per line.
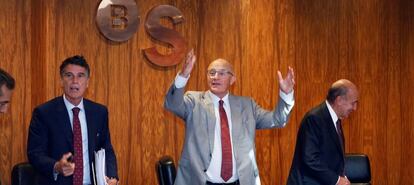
226 163
77 146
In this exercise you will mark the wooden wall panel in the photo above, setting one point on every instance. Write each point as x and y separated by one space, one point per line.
257 73
391 57
15 57
369 42
407 89
284 56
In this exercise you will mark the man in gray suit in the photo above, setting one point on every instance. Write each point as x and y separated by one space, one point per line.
219 146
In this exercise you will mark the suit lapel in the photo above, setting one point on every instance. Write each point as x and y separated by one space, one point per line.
62 113
236 110
90 120
331 128
211 119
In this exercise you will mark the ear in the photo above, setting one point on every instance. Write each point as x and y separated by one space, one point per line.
61 82
87 82
232 80
340 99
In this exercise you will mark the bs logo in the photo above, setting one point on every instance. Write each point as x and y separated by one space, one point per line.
118 20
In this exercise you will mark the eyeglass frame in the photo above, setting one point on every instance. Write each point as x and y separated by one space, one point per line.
221 73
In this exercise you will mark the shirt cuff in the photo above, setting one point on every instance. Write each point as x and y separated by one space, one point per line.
180 81
55 173
288 98
338 180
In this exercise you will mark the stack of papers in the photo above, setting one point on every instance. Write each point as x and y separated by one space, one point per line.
100 167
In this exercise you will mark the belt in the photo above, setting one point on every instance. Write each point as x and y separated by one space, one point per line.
231 183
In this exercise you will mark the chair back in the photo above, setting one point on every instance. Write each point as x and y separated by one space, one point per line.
166 171
24 174
357 168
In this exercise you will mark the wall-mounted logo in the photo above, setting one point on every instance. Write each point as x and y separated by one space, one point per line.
118 20
166 35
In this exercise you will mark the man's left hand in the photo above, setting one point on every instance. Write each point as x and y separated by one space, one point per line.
286 84
111 181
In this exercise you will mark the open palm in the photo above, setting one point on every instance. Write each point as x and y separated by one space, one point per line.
286 84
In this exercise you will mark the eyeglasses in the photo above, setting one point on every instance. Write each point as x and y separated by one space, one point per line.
221 73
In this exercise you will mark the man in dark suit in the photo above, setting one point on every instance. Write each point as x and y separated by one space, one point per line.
320 145
6 90
220 129
65 132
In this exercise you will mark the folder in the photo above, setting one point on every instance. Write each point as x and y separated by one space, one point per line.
99 170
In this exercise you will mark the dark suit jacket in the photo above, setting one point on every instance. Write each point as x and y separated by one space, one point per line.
318 159
50 136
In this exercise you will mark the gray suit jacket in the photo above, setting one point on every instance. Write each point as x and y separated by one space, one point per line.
197 110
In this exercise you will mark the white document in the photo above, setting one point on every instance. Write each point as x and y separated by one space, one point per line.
100 167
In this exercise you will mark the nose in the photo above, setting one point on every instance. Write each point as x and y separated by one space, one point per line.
75 79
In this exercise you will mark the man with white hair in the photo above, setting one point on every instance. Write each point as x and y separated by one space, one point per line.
219 146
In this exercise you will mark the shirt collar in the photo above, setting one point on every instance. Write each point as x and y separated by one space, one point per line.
332 112
70 106
216 99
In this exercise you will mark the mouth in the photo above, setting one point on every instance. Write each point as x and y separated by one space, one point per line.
215 83
74 88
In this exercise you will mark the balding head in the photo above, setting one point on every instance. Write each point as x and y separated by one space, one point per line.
343 97
339 88
221 64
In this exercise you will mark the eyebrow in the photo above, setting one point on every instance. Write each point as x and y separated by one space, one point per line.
68 72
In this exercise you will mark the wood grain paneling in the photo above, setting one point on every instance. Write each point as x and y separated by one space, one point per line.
370 42
15 57
406 91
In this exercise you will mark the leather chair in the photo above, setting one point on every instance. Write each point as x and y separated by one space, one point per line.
24 174
357 169
166 171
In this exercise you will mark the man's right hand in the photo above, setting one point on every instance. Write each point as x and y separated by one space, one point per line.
343 181
188 64
64 166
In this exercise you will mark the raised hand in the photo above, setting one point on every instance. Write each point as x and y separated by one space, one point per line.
188 64
286 84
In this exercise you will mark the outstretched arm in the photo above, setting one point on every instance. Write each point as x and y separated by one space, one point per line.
175 100
280 115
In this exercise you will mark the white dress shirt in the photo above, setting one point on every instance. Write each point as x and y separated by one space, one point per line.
84 130
334 119
333 114
214 170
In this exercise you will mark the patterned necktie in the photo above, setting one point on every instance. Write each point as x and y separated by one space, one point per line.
340 134
77 146
226 163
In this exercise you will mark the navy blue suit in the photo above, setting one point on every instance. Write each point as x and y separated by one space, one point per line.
318 159
50 136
